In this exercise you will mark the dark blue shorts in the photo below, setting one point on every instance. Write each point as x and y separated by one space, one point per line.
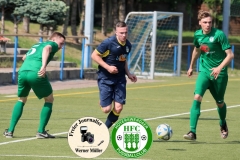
112 89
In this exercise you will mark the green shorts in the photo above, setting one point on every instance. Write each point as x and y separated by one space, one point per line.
217 87
28 80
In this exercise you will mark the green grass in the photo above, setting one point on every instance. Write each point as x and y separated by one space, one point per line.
170 96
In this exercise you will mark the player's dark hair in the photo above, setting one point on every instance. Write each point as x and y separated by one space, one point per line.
203 14
121 24
57 34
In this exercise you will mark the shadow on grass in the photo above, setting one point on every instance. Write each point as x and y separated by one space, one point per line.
174 149
228 142
61 137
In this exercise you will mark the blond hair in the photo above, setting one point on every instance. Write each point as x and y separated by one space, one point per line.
203 14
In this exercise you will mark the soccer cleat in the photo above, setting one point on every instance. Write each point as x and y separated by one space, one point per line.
44 135
8 134
190 136
224 131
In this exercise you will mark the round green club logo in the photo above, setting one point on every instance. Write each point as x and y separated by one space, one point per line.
131 137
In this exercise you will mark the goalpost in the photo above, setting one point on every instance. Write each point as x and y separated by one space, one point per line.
151 34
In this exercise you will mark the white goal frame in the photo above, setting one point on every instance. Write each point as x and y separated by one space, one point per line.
153 33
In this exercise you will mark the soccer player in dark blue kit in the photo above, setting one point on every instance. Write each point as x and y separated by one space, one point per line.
111 55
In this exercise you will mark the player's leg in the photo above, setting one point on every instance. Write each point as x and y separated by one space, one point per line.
105 87
119 101
106 94
43 89
202 83
218 91
23 91
114 114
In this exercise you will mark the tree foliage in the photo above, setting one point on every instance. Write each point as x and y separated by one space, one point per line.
173 4
3 2
52 13
216 8
48 13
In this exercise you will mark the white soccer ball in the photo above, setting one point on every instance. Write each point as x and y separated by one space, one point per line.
164 131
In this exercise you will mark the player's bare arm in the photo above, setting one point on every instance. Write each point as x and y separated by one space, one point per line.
45 55
98 59
195 54
132 77
225 62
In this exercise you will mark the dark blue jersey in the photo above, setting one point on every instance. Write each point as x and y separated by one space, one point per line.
114 54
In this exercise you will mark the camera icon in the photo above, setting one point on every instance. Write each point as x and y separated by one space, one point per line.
86 136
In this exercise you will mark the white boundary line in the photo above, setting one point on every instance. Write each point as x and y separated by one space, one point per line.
174 115
28 139
147 119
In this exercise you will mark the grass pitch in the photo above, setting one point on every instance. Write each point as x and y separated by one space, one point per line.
165 101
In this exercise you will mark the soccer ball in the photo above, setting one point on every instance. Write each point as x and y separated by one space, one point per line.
164 131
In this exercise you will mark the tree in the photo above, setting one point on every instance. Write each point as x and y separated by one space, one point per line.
110 18
65 25
52 14
215 7
130 5
104 17
122 10
21 12
115 13
74 19
82 16
3 3
46 13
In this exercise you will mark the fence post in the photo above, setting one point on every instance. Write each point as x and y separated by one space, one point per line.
40 39
189 56
15 60
129 55
82 61
175 59
89 49
232 62
143 56
62 62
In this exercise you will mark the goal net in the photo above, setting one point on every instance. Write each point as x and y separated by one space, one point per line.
156 39
235 8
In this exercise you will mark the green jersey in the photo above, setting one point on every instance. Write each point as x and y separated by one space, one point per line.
33 61
212 46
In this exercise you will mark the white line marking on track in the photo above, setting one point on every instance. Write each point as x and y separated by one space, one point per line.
147 119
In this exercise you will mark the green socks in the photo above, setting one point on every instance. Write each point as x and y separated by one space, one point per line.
194 115
222 114
45 116
16 114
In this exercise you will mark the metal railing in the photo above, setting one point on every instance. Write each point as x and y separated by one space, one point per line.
41 40
189 51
